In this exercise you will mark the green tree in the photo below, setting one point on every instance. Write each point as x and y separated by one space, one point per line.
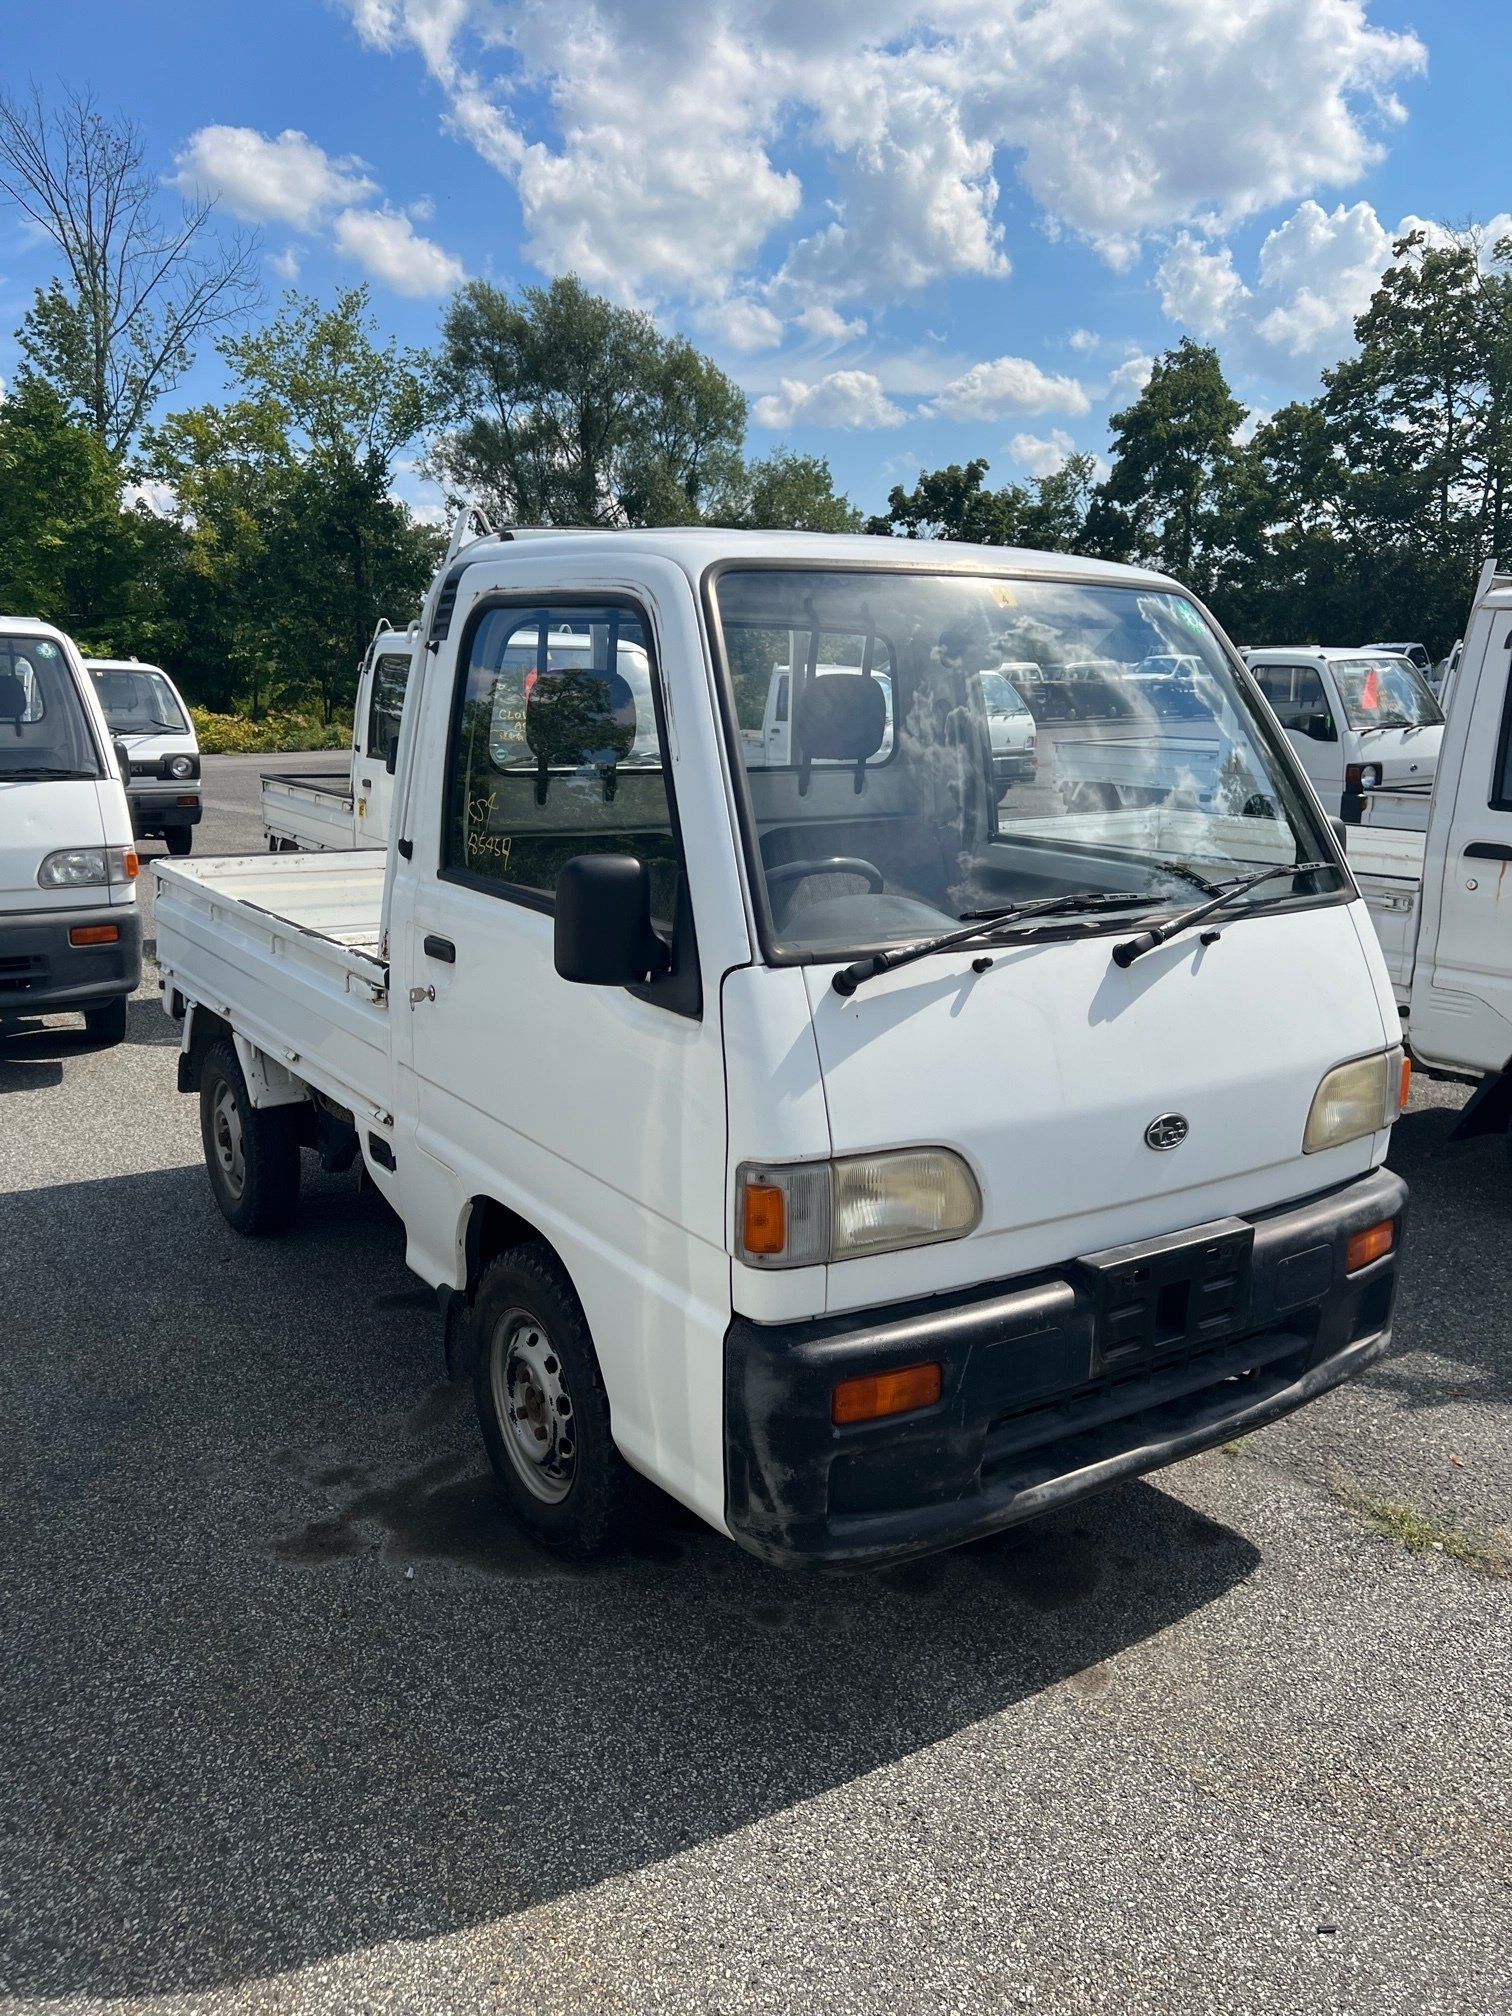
953 503
117 330
565 409
1175 487
786 492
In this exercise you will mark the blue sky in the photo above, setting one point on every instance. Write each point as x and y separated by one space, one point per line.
915 231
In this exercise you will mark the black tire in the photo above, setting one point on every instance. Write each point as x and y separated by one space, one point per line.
251 1155
574 1492
107 1023
180 839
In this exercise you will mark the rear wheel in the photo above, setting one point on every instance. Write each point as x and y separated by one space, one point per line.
543 1409
107 1023
180 839
252 1155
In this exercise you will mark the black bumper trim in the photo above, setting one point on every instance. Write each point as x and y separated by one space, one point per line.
1027 1418
41 973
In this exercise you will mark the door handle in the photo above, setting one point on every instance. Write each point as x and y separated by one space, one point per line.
1488 850
440 948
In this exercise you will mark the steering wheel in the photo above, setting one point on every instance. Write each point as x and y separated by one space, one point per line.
834 864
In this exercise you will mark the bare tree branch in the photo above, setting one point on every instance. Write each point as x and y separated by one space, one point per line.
141 293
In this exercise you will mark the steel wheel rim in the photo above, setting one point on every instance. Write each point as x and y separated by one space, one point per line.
226 1138
533 1406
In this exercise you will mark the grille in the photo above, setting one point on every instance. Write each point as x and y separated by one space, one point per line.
20 973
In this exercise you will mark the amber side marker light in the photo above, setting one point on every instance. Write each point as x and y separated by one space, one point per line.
94 934
1372 1244
1406 1083
133 865
764 1222
882 1393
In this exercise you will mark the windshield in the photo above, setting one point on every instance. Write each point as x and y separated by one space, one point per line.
44 730
1000 696
138 700
1385 693
875 816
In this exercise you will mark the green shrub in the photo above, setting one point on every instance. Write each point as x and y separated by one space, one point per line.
275 734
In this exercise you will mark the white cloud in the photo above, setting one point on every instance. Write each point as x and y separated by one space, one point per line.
661 167
1250 425
150 495
286 264
840 399
1042 454
1132 376
1320 269
1083 340
828 325
988 391
285 180
742 324
1197 287
386 245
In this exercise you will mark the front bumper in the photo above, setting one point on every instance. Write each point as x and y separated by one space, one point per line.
1018 767
156 810
1026 1420
43 973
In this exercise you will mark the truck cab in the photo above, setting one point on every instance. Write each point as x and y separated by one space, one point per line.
70 937
870 1160
1357 719
145 712
309 810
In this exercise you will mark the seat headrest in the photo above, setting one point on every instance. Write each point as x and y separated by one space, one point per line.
12 697
843 718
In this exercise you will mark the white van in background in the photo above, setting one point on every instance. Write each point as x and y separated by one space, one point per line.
1356 718
70 937
145 712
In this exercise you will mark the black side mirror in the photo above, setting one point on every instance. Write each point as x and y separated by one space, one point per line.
603 922
391 756
1341 834
123 761
1321 728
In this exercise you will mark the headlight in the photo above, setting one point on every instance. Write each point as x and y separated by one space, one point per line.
808 1213
181 766
87 867
1356 1099
1370 776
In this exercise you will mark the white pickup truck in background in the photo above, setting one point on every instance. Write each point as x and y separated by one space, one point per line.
311 811
869 1159
1441 900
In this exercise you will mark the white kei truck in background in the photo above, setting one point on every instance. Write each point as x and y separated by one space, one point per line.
1440 899
1358 719
70 932
312 811
866 1163
145 712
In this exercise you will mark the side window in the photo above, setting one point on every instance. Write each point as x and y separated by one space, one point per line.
1309 699
555 751
1275 683
1501 783
386 707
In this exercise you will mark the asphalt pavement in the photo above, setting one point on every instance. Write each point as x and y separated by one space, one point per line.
294 1719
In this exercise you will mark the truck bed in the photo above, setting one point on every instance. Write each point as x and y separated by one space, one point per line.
312 808
285 947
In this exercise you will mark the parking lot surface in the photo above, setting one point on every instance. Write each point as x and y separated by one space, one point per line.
295 1719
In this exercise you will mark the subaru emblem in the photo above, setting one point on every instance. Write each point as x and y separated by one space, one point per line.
1166 1130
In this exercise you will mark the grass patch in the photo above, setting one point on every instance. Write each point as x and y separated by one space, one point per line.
1424 1532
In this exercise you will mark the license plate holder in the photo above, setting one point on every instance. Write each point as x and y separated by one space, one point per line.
1157 1298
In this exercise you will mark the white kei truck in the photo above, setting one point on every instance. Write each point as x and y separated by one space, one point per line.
868 1166
70 930
1439 899
146 715
311 810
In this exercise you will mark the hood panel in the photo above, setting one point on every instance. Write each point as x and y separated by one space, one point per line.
41 818
1406 756
1046 1070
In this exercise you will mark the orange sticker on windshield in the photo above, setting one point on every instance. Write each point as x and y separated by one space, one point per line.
1004 597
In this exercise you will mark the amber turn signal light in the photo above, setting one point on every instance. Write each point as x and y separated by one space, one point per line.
764 1226
1371 1244
882 1393
1406 1082
94 934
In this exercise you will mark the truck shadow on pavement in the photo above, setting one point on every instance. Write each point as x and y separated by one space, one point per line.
286 1685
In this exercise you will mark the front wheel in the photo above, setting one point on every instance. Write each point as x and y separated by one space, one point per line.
251 1153
543 1409
180 839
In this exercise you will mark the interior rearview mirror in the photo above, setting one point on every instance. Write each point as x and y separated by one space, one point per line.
603 922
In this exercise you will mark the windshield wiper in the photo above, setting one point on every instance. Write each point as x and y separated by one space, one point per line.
974 924
31 773
1127 950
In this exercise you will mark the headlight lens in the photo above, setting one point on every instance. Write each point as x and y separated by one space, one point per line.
181 766
1355 1099
1370 775
806 1214
87 867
